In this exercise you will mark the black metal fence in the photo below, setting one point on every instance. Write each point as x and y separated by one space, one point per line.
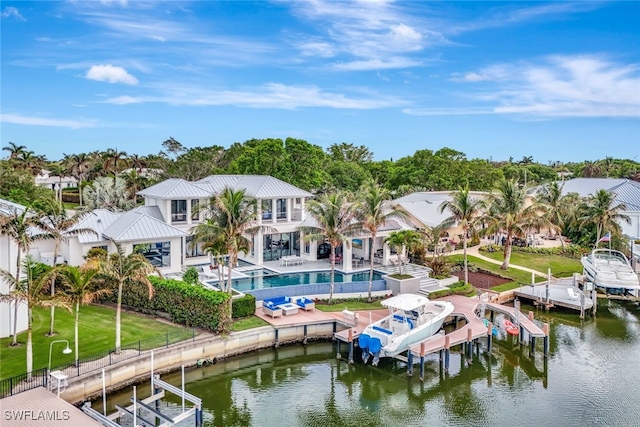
40 377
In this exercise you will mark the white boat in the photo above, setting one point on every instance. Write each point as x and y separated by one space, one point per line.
611 270
412 319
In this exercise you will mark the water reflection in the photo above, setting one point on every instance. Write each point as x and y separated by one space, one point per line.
589 364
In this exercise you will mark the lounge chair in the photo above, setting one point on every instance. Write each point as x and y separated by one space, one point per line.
573 295
306 304
271 309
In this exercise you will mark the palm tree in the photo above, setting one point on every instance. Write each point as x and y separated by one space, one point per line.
31 291
60 227
118 269
17 227
403 240
335 216
113 158
79 165
604 212
509 212
80 284
59 170
108 193
432 235
230 217
15 150
560 209
137 163
465 211
372 211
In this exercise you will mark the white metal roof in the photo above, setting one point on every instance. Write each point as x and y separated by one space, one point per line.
626 191
10 208
98 220
175 188
405 302
425 205
136 225
257 186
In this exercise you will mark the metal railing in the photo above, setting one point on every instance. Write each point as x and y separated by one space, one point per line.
96 361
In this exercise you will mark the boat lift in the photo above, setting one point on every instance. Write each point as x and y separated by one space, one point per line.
149 405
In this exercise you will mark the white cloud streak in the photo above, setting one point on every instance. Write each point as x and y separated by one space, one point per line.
10 11
557 86
41 121
111 74
272 95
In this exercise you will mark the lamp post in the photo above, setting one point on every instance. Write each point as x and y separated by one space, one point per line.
65 351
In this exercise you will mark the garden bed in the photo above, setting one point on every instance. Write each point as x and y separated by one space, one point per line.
482 279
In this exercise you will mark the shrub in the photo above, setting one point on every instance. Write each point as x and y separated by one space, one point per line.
458 288
440 267
189 305
191 276
570 251
243 307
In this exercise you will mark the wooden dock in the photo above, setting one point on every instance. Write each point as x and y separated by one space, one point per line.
556 294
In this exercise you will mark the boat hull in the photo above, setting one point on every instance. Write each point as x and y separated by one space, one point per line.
610 270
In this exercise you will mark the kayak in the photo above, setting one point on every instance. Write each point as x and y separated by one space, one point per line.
510 327
494 330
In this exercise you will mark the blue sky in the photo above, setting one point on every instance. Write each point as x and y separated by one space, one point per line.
552 80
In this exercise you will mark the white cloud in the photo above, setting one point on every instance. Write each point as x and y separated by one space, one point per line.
560 86
463 111
10 11
376 64
271 95
111 74
40 121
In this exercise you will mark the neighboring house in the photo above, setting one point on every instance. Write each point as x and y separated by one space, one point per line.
280 210
423 210
8 258
626 191
45 179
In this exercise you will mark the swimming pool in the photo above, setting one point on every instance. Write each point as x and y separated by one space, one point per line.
263 279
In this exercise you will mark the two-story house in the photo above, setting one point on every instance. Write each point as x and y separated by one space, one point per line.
280 209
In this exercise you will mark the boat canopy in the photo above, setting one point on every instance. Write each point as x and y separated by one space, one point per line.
406 302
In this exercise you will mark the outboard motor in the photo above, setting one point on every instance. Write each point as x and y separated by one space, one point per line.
374 347
363 343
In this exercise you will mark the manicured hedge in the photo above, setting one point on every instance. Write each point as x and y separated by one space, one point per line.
243 307
570 251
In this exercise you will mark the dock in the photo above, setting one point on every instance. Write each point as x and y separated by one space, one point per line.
557 293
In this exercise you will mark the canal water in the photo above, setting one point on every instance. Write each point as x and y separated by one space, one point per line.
591 378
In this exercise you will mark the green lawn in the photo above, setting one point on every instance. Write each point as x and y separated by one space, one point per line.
248 323
512 273
561 266
97 334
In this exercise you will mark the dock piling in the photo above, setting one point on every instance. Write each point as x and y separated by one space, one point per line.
489 337
304 341
545 329
447 342
350 346
338 355
532 349
422 352
594 297
469 343
409 362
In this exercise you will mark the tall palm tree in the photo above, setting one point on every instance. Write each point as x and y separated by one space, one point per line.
113 159
30 290
510 212
560 210
230 217
465 210
79 165
404 240
80 284
373 210
15 151
60 226
59 170
18 227
120 270
335 215
603 210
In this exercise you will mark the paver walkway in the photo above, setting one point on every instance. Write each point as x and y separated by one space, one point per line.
474 251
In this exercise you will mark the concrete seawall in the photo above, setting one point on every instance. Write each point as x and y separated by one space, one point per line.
131 371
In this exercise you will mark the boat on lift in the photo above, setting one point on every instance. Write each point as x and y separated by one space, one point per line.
412 319
611 270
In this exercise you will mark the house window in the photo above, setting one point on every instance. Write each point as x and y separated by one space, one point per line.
266 209
191 251
281 206
195 210
307 247
178 211
157 253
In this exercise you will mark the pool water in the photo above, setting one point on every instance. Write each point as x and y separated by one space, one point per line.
262 279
